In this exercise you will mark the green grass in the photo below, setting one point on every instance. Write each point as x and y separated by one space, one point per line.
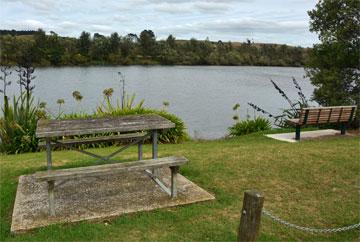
312 183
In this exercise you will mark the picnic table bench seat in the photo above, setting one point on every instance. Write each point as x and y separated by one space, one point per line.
50 176
323 115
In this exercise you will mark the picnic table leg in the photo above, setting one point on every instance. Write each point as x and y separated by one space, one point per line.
51 186
297 132
48 153
140 151
174 172
155 150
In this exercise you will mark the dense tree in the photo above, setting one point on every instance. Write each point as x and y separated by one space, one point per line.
100 48
114 42
37 50
148 42
14 32
84 43
333 66
55 50
42 49
170 41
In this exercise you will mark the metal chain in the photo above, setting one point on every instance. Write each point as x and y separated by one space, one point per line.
310 230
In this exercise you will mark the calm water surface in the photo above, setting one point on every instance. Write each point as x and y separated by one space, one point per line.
203 96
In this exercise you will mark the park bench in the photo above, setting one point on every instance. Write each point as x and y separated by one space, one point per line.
50 176
323 115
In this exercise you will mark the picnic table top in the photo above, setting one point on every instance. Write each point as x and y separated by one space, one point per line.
128 123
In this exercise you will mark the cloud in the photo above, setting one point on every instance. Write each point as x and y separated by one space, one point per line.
173 8
104 29
28 24
240 29
250 25
214 7
181 7
246 25
43 5
68 24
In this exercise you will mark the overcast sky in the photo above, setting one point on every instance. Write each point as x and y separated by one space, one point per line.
268 21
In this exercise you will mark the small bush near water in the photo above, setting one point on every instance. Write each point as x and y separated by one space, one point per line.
250 126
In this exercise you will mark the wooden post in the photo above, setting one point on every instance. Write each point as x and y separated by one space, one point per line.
48 153
174 172
51 186
250 216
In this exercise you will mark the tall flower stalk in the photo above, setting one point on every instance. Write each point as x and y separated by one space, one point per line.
292 112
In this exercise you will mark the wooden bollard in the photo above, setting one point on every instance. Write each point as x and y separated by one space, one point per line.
250 216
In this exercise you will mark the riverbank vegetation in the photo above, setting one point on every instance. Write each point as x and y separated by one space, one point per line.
43 49
318 188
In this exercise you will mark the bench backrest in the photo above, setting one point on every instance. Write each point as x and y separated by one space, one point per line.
323 115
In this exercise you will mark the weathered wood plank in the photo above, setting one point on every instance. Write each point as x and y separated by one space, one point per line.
128 136
329 107
55 128
109 169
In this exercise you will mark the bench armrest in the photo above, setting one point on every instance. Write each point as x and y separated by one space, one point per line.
293 122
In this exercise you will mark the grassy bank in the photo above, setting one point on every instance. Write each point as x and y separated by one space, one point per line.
313 183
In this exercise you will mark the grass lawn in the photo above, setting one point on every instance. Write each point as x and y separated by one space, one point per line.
312 183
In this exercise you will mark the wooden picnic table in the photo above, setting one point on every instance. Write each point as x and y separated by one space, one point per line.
130 127
135 128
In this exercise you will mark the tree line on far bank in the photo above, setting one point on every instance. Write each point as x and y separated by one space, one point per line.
41 49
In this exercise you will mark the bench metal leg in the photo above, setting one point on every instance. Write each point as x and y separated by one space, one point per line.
174 172
51 186
48 153
297 132
155 150
343 128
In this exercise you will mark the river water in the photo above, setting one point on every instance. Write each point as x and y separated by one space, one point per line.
203 96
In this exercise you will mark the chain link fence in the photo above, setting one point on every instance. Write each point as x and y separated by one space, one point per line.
307 229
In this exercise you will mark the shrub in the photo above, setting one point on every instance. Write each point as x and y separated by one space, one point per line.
250 126
107 109
18 125
173 135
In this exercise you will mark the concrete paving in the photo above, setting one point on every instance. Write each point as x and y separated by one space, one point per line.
290 137
97 198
